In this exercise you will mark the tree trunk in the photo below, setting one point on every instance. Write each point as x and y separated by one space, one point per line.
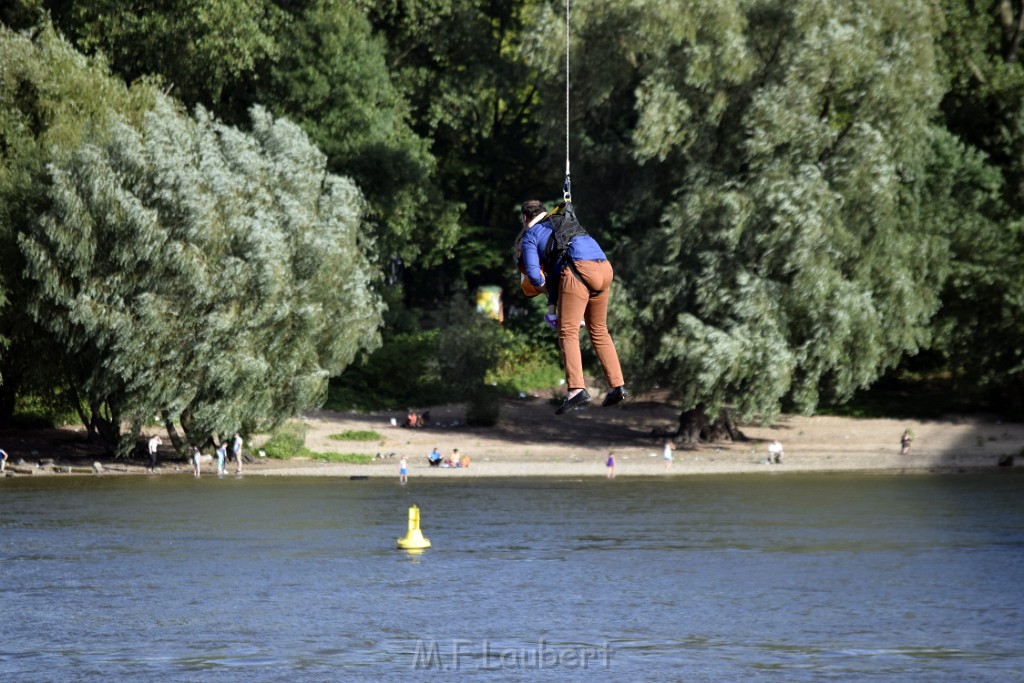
172 433
693 424
724 427
104 432
1013 29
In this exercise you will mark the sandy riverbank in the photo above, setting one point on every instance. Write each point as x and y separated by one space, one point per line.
531 441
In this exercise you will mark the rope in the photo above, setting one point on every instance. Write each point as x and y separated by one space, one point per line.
566 188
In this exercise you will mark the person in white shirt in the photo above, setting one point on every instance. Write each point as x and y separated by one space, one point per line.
154 443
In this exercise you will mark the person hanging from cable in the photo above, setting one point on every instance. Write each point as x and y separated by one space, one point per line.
558 257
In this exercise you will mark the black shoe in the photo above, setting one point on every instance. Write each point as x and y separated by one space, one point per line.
578 401
616 395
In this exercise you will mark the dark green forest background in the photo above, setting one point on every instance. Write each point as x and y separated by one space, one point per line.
216 213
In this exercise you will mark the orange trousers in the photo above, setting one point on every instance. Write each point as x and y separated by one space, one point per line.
587 300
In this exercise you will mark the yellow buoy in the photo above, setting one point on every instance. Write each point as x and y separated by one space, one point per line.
414 539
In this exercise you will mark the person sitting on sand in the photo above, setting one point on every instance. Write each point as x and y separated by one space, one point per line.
434 458
775 452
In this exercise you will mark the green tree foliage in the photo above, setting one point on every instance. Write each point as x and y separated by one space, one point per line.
20 14
51 98
797 194
315 62
790 142
203 50
464 67
469 346
196 272
980 328
332 79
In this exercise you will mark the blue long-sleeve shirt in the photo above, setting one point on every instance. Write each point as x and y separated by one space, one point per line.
534 244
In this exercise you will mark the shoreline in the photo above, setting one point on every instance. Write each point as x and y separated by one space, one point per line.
688 464
530 442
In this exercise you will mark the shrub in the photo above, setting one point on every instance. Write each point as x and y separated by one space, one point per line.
360 458
287 441
402 373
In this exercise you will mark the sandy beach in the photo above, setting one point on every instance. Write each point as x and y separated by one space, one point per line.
531 441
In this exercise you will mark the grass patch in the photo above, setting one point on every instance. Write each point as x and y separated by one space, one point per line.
279 452
358 458
289 441
356 435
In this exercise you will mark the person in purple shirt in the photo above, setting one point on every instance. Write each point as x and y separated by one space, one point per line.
577 287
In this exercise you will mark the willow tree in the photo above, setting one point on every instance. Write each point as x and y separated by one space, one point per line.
51 98
765 162
315 62
209 276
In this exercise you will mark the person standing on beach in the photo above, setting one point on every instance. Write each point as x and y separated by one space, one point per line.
403 470
154 443
667 457
3 460
222 454
196 465
905 441
610 464
236 451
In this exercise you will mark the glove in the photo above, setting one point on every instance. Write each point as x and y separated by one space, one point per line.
552 320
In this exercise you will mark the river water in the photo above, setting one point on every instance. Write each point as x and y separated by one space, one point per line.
692 579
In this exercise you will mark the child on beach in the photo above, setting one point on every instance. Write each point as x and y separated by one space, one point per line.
222 454
611 465
403 470
667 456
196 466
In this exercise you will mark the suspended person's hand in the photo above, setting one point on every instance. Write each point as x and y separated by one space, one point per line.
552 320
